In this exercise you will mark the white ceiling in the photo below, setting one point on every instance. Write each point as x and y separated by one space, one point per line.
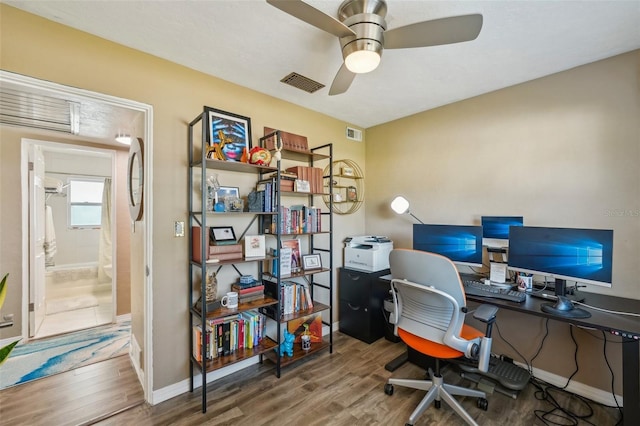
255 45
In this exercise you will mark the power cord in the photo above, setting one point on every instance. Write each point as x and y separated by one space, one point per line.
559 415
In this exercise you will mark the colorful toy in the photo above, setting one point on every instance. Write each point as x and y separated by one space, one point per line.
286 347
259 156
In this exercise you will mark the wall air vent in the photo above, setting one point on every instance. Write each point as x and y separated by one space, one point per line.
354 134
301 82
19 108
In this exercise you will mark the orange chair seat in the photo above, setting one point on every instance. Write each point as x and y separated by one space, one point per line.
434 349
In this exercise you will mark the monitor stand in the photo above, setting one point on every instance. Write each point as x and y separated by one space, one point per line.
563 306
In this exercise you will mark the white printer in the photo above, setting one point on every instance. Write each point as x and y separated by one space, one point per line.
368 253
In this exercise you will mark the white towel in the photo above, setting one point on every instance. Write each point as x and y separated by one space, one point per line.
49 237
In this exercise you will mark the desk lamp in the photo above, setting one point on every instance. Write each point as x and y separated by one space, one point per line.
400 205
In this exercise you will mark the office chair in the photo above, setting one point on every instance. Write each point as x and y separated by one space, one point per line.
430 304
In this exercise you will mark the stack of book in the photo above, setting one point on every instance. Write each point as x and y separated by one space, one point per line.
227 335
224 252
214 253
248 292
294 297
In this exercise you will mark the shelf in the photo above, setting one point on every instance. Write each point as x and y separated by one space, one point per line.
290 154
305 194
234 166
267 345
346 177
242 307
232 213
298 274
299 233
298 353
234 261
317 307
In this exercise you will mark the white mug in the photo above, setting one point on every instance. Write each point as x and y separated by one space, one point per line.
230 300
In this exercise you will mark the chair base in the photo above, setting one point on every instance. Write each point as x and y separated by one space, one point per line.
438 391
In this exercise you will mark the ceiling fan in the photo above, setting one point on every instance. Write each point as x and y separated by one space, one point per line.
363 34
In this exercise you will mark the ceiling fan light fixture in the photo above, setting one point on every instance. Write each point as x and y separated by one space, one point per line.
362 61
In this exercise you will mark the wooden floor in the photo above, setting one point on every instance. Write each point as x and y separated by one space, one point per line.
344 388
81 396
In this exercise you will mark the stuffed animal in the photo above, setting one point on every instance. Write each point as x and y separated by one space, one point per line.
286 347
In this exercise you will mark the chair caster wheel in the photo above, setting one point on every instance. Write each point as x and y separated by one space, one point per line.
483 404
388 389
437 404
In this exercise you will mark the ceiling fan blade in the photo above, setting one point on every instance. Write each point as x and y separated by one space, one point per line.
454 29
313 16
342 81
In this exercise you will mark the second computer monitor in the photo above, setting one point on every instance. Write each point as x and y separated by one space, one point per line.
460 243
495 230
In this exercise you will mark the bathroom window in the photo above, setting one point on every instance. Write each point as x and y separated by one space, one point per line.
85 202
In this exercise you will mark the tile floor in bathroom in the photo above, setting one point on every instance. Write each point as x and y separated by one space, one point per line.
78 319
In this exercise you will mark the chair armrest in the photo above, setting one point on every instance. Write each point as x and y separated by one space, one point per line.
486 313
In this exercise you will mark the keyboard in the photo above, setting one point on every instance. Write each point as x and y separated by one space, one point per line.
476 288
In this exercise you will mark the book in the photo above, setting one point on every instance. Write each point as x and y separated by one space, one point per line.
229 248
254 246
225 256
311 324
247 290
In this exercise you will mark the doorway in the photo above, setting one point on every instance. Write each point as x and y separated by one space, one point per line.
72 243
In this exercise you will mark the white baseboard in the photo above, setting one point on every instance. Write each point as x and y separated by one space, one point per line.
181 387
594 394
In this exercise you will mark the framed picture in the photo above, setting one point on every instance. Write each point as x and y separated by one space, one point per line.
311 261
222 235
294 245
229 136
227 191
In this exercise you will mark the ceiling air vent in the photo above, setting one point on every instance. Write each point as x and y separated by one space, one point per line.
301 82
19 108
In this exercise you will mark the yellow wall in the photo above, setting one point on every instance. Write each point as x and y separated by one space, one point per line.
42 49
563 151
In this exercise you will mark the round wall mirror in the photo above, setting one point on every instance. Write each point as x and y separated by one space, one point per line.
135 178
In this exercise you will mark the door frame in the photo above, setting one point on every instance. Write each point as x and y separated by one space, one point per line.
146 376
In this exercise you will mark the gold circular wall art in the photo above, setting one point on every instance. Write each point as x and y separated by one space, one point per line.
348 187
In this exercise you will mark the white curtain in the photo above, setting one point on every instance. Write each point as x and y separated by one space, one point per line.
104 249
50 248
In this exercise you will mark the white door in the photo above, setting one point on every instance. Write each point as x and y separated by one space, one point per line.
36 239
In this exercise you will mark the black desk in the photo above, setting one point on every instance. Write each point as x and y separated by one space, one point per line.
627 327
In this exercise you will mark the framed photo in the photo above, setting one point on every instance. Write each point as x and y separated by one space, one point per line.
229 136
222 235
311 261
294 245
227 191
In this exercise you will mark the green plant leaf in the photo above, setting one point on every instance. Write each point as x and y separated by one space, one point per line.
4 352
3 290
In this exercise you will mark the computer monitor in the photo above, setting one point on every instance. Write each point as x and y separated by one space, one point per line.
581 255
495 230
460 243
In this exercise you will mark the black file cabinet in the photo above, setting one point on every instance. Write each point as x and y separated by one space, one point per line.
361 301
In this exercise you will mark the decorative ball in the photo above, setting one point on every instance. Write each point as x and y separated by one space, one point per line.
259 156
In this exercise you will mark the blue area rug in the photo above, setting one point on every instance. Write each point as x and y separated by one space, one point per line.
40 358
